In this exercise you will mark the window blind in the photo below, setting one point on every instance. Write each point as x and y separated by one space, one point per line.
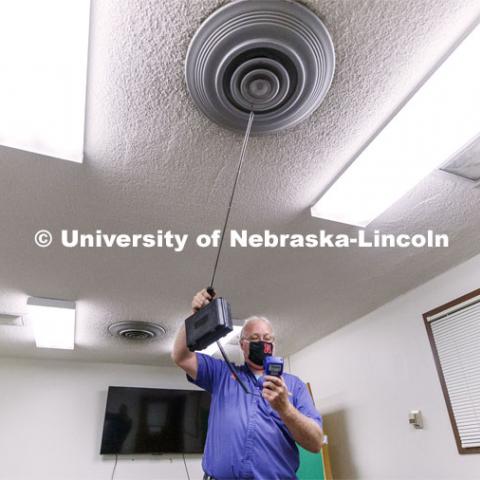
455 339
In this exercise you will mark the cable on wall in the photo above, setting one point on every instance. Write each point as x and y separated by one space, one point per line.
186 469
114 467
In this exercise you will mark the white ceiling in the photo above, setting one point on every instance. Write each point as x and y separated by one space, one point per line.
154 162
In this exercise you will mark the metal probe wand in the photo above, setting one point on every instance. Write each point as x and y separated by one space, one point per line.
210 289
240 163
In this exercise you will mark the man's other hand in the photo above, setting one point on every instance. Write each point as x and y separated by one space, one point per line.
276 393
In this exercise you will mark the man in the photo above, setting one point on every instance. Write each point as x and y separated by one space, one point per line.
251 436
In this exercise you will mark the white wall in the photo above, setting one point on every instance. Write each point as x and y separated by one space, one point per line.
367 376
51 420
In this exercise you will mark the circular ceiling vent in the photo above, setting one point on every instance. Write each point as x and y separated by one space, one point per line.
135 330
272 57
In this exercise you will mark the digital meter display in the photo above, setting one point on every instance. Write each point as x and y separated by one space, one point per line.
273 366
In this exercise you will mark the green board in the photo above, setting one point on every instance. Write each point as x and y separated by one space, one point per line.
311 465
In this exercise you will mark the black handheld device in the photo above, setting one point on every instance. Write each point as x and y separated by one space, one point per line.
209 324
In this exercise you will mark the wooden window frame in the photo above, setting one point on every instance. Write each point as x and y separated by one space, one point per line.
436 357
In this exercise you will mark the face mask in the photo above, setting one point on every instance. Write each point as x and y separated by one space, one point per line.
258 351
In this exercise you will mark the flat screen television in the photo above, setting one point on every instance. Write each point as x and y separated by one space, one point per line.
154 420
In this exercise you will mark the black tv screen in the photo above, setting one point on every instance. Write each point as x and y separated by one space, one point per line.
153 420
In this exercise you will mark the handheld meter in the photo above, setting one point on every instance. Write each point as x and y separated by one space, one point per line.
273 366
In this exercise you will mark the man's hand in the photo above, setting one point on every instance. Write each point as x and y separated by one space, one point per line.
304 430
201 299
276 393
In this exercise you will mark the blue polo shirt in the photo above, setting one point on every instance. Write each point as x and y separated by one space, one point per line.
246 437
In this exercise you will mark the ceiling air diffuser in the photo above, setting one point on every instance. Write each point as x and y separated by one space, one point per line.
272 57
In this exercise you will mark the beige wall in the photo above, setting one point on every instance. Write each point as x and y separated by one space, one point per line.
366 378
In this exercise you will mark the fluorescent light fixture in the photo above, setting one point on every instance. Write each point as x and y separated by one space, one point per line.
213 348
441 117
43 52
53 322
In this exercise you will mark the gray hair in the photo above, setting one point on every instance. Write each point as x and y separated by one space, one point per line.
254 318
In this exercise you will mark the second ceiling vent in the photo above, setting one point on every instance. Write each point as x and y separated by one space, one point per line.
137 330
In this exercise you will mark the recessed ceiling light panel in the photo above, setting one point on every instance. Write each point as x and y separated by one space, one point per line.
442 115
43 48
53 322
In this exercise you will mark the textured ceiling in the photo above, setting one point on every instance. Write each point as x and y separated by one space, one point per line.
154 162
